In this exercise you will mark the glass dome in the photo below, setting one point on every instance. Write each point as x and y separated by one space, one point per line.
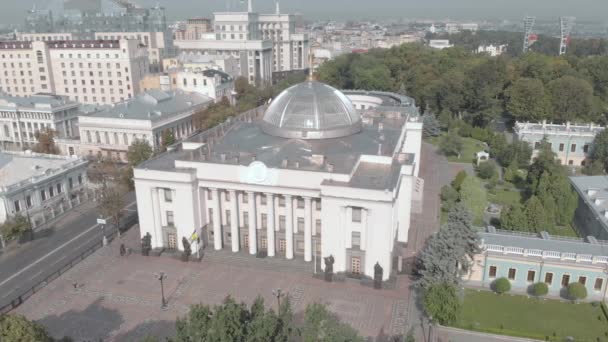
311 110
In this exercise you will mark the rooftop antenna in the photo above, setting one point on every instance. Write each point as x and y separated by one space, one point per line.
249 6
277 8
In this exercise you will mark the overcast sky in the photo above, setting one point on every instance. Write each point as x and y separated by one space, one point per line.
12 11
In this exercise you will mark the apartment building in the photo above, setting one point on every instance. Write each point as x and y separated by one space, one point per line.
157 44
86 71
193 29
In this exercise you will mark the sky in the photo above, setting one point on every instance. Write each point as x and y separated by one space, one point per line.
12 11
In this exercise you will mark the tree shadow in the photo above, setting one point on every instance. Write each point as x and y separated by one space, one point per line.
95 323
160 330
384 337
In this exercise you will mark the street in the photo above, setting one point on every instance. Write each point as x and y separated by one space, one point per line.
52 249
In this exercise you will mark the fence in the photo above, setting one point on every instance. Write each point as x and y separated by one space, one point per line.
18 299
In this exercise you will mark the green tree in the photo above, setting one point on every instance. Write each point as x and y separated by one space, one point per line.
431 126
576 291
474 197
486 170
572 99
527 100
512 173
501 285
14 227
46 142
322 325
599 150
18 328
535 215
460 177
539 289
442 304
451 144
513 218
449 196
370 73
168 138
139 152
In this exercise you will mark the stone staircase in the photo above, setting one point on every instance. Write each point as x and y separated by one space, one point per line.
243 259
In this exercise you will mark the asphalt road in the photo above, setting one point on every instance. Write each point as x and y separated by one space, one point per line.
52 249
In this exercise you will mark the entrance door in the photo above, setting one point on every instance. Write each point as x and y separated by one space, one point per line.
171 241
355 265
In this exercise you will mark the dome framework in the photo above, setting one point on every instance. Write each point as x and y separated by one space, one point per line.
311 110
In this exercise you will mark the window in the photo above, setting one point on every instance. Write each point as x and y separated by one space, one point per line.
51 191
356 214
245 218
531 276
281 222
282 245
281 201
264 220
227 196
586 148
80 179
263 199
228 218
318 226
537 145
573 148
355 265
264 243
356 239
300 224
17 206
70 183
512 273
300 203
318 205
168 195
245 198
170 219
582 280
28 201
58 188
570 162
209 195
561 147
246 240
599 282
565 280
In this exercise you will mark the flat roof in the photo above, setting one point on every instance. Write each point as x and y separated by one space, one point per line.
19 167
594 191
40 101
551 128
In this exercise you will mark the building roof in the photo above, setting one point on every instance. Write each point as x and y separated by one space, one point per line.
311 110
23 167
154 105
594 191
544 128
40 101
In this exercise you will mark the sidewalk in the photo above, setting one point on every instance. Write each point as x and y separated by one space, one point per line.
448 334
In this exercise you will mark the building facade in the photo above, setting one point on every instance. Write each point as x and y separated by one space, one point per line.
591 216
110 132
571 143
21 118
90 72
212 83
40 186
525 259
156 43
307 177
193 29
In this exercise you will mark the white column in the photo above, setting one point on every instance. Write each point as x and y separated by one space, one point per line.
234 221
307 229
158 223
289 227
217 220
253 238
270 224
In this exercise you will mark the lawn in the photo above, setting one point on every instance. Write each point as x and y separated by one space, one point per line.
505 195
521 316
470 147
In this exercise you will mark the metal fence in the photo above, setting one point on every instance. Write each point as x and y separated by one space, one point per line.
53 274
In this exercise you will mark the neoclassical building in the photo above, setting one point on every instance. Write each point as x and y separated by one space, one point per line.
316 173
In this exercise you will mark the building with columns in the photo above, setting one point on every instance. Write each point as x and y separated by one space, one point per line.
317 173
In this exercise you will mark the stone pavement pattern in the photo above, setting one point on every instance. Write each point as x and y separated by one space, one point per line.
118 299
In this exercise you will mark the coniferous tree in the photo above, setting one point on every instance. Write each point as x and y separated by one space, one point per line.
513 218
535 215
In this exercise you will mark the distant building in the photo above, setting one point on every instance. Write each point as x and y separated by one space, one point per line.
492 50
591 217
194 28
86 71
525 259
40 187
571 143
227 64
22 117
209 82
440 44
154 42
110 132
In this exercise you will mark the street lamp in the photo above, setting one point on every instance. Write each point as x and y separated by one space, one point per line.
161 276
278 293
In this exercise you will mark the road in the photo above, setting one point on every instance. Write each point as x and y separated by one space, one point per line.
52 249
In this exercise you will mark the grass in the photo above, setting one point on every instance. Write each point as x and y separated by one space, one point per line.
505 196
521 316
470 147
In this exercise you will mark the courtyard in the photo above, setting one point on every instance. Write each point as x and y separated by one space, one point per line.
116 298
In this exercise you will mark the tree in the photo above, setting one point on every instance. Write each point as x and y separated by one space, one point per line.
111 204
527 100
139 152
14 227
486 170
501 285
474 197
572 99
539 289
460 177
535 215
599 150
449 196
431 126
512 173
46 142
513 218
168 138
322 325
441 303
451 144
18 328
576 291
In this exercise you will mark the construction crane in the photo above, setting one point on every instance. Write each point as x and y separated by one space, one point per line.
566 25
529 36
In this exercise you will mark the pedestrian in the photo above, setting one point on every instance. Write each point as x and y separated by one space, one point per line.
123 250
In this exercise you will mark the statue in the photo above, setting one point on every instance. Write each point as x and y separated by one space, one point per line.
187 249
329 268
146 244
123 250
378 276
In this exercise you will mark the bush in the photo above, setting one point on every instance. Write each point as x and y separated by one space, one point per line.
486 170
577 291
501 285
540 289
457 182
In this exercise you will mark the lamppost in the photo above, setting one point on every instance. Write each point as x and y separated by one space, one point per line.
161 276
103 222
278 293
430 327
